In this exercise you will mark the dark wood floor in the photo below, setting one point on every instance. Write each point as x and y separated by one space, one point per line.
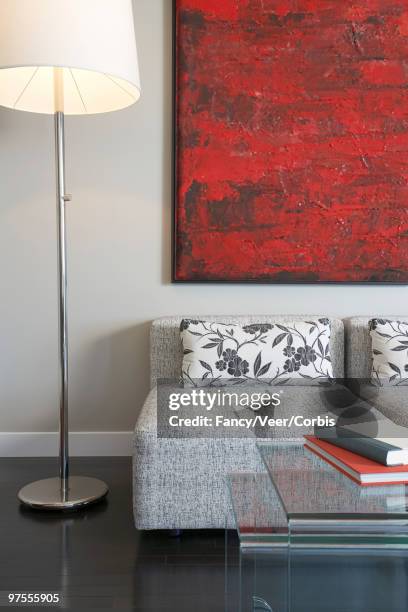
96 557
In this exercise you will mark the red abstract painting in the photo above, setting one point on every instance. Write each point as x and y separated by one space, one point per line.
291 155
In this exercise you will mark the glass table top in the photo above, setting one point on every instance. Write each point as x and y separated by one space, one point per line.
310 489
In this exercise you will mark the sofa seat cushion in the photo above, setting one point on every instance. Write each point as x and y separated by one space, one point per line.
392 402
181 483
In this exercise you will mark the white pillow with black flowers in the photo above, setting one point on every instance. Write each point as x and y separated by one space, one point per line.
390 351
257 352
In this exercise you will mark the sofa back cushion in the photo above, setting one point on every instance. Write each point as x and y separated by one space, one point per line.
255 353
359 345
390 351
166 354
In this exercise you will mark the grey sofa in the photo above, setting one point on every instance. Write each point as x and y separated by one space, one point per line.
181 483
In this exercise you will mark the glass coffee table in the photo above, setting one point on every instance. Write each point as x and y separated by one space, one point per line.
312 540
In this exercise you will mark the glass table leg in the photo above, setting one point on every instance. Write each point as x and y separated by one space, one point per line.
260 605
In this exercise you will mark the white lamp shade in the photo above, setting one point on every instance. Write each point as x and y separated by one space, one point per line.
75 56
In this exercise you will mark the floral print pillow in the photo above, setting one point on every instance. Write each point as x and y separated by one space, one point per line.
389 352
258 352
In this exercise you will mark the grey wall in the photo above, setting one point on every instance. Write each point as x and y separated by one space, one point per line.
119 223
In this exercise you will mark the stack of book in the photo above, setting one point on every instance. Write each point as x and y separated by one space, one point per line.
368 460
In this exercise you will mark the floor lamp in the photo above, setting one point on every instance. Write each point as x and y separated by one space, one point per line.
73 57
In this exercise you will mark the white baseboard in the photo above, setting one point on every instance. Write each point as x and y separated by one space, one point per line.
81 444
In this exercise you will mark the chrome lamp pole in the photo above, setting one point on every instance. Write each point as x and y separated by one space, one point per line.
66 492
62 199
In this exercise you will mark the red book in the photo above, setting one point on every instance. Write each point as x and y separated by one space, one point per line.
360 469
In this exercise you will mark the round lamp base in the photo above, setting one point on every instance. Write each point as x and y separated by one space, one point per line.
49 494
